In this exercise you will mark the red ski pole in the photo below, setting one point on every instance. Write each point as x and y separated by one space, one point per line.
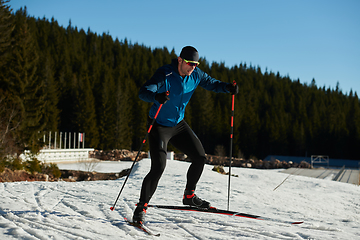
231 144
133 164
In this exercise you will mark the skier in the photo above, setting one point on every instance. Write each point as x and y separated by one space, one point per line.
173 86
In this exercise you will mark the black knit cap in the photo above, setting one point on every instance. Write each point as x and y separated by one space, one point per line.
189 53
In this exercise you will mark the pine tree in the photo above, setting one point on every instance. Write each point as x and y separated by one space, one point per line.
9 109
84 111
123 114
51 92
106 113
202 105
46 71
25 85
6 28
353 120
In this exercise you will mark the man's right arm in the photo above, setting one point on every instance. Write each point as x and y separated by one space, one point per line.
149 90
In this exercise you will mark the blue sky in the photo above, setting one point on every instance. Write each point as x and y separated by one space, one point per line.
304 39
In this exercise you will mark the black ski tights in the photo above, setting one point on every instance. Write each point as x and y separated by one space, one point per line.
183 138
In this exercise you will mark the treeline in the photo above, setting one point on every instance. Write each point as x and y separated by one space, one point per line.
67 79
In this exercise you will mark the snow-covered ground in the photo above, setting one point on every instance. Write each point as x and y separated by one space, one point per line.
97 166
81 210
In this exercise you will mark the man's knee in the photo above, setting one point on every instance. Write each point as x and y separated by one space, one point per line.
198 160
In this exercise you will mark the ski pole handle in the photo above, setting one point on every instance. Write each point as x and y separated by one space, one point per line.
157 113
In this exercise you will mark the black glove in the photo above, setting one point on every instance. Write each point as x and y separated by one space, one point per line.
233 89
162 97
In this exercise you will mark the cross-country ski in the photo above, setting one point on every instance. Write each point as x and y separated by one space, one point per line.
222 212
142 227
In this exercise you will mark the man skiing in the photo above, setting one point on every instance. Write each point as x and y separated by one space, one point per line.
173 85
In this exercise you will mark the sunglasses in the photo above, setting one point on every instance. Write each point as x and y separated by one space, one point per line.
191 63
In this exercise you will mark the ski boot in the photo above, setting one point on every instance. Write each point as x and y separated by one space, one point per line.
139 213
191 199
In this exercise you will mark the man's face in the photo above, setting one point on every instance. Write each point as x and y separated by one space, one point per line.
185 68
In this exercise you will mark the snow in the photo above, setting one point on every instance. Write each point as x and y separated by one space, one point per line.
101 166
81 210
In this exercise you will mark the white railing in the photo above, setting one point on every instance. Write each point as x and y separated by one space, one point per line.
62 147
64 140
319 159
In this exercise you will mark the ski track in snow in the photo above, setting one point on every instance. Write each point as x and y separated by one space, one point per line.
81 210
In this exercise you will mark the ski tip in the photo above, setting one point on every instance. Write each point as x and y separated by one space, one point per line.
112 208
296 223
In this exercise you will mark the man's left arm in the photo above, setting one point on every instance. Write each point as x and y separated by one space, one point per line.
212 84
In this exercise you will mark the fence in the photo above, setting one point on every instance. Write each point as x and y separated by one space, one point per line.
64 140
319 159
63 147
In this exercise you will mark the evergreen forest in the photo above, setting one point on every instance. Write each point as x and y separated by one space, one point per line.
61 79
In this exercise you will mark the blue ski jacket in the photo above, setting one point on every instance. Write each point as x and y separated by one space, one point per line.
167 78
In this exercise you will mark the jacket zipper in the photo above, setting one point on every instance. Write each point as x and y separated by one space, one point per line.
182 94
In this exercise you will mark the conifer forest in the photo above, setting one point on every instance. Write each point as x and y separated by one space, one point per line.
56 78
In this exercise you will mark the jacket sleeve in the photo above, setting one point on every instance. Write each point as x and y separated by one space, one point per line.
211 84
148 91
